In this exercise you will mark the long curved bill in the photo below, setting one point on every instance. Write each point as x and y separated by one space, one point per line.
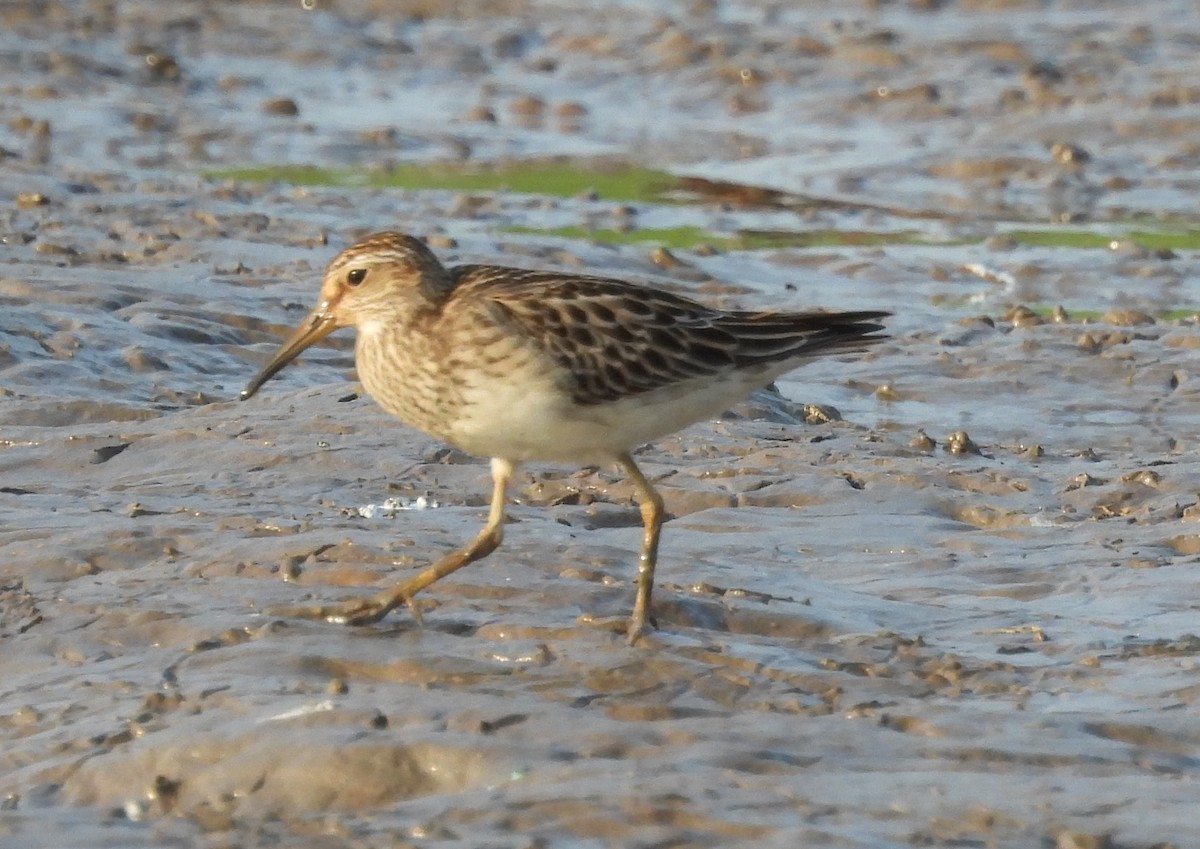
317 326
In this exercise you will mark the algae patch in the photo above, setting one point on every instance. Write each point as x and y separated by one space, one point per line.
621 181
554 178
691 237
1181 240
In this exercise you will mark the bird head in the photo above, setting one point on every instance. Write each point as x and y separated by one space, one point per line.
380 279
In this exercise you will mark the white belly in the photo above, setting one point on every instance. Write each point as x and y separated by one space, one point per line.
539 423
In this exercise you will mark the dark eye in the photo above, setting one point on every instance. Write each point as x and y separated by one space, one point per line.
356 276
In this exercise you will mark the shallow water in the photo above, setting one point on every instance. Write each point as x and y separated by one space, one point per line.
862 641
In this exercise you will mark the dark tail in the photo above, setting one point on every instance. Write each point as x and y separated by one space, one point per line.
768 337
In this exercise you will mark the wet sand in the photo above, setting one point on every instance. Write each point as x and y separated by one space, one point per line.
865 639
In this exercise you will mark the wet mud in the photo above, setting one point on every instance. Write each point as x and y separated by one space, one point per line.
941 594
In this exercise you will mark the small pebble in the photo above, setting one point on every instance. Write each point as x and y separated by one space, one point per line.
283 106
960 442
923 442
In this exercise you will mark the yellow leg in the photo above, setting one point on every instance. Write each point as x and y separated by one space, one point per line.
368 610
651 504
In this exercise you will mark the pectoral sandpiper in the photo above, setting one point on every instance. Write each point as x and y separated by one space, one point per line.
522 365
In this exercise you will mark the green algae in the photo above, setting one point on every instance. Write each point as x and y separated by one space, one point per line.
552 178
622 182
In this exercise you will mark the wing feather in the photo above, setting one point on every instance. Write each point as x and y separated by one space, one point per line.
612 339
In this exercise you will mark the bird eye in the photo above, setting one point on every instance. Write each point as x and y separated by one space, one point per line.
356 276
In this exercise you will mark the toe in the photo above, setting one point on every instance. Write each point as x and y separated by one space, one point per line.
355 613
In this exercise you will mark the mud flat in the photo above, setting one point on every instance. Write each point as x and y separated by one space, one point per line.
939 595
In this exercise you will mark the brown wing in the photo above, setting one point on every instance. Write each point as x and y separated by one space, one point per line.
615 338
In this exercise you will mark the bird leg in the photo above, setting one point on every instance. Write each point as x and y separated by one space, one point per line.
652 507
366 611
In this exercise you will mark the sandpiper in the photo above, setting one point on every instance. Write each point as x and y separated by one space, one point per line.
520 365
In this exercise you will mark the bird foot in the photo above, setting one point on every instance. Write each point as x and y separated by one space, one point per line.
638 628
632 628
355 611
352 611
